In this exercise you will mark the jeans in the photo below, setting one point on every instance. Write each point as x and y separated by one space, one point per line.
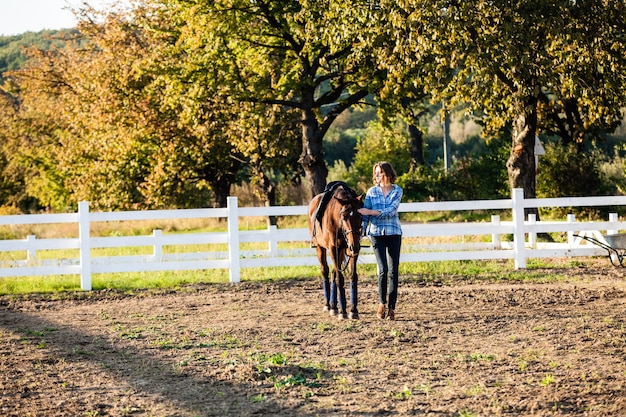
387 277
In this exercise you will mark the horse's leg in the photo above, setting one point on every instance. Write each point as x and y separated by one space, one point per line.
333 294
321 256
326 287
343 314
354 279
337 256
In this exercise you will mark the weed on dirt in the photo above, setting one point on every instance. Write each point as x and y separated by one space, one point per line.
458 348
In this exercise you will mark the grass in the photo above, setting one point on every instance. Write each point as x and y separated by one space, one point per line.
448 272
445 273
126 282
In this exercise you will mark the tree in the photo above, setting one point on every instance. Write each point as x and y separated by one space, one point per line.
403 95
312 57
380 143
259 135
503 57
262 134
106 132
13 177
12 48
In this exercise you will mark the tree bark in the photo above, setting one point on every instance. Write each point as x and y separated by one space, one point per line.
221 179
269 190
312 157
417 147
521 163
221 189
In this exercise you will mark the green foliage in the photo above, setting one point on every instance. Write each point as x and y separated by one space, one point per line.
170 104
524 65
425 183
473 177
314 59
339 172
13 177
342 137
11 53
379 144
340 146
482 176
565 172
105 126
13 48
614 170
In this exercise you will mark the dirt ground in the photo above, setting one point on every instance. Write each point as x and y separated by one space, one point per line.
267 349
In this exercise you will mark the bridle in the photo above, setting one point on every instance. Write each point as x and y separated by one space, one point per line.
346 231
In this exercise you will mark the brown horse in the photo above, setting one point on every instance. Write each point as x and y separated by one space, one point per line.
335 228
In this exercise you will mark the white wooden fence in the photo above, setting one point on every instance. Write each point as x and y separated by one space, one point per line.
521 247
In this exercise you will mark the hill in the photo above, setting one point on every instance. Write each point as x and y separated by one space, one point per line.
12 48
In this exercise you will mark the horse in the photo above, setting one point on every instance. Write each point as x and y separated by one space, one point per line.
335 228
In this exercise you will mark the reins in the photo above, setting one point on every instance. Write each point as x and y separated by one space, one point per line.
344 233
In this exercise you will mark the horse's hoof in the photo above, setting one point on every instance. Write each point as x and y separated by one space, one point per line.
333 311
326 308
354 315
342 316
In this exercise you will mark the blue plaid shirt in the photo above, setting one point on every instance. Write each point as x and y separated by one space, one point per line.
388 221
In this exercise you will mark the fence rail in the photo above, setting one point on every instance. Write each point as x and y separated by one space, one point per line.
521 247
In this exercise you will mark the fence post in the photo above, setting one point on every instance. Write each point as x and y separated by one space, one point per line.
233 239
496 240
613 218
273 244
518 228
157 248
571 218
532 236
31 253
85 245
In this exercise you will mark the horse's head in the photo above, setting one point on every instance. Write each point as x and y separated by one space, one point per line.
350 220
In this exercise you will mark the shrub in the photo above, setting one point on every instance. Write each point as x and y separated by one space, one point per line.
564 171
472 177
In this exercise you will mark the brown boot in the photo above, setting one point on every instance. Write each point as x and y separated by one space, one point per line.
391 315
381 311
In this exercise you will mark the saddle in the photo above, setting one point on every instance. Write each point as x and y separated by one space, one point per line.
327 194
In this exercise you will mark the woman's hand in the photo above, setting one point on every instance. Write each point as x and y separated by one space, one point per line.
368 212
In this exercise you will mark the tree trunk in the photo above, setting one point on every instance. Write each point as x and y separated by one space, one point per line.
269 190
312 157
415 134
521 163
221 189
221 177
417 147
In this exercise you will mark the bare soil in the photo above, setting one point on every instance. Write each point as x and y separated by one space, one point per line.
267 349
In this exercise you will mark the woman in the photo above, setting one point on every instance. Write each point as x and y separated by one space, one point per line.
382 224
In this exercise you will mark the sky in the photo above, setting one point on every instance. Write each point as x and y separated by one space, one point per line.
19 16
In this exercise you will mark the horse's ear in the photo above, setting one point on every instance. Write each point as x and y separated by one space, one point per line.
361 198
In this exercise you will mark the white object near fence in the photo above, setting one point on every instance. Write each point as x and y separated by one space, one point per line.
523 246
